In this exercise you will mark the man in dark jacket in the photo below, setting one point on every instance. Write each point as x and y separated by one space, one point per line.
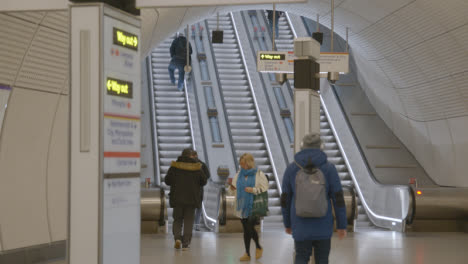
185 177
178 52
206 171
313 233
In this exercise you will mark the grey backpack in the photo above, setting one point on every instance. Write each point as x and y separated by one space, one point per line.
311 193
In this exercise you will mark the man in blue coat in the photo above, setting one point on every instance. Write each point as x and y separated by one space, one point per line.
313 233
178 52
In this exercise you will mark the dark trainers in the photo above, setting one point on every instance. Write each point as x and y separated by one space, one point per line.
177 244
185 248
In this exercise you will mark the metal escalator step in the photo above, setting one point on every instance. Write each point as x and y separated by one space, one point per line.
174 126
336 160
170 106
166 139
274 201
246 132
246 139
344 176
170 100
245 112
171 112
170 132
239 106
341 168
168 94
165 146
235 88
330 146
266 169
169 154
237 125
231 71
172 119
227 54
242 118
249 146
226 66
243 100
332 153
228 60
227 44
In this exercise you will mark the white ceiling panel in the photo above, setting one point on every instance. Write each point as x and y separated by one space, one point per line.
374 10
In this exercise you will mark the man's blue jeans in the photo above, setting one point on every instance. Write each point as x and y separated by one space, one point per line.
171 68
304 251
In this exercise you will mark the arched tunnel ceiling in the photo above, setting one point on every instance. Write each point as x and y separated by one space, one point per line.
410 45
412 62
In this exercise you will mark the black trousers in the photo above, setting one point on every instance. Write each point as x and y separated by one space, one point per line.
183 215
250 233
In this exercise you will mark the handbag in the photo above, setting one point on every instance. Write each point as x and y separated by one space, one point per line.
260 205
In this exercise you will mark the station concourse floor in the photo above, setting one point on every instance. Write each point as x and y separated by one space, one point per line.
370 247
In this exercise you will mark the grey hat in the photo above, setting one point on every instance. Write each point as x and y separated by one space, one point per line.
311 140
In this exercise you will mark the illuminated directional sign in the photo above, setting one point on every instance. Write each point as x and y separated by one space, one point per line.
119 88
269 56
125 39
275 61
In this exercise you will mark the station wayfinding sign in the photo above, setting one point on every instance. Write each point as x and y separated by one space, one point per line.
334 62
105 110
121 138
275 61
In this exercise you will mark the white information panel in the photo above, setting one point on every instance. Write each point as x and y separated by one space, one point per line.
275 61
121 141
334 62
4 95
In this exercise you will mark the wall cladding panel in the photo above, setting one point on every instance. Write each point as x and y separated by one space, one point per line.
46 64
443 153
437 99
458 128
428 61
57 173
408 72
32 17
23 159
419 17
57 20
399 32
449 51
14 46
450 14
461 36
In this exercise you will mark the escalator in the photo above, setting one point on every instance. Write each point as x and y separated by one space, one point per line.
173 133
243 120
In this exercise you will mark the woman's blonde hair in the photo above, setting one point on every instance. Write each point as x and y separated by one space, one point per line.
248 159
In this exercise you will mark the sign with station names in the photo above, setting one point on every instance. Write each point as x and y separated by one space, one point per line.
275 61
283 61
334 62
121 125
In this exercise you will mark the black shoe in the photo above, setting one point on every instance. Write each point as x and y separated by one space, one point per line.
185 248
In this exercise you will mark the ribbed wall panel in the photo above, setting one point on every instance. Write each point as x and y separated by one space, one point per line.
14 46
57 20
31 17
46 64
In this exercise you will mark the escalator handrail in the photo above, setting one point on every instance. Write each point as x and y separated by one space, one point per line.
372 215
154 131
270 156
